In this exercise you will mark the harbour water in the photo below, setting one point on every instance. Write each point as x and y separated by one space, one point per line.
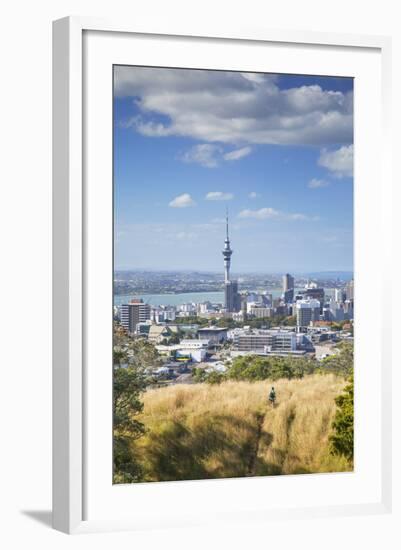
187 297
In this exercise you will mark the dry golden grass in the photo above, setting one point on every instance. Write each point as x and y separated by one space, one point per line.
229 430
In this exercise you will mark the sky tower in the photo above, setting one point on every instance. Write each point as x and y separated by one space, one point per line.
227 252
231 296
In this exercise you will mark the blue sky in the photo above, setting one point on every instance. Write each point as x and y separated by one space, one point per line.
277 150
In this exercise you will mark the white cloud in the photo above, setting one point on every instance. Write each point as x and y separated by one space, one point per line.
237 153
234 108
340 161
204 154
271 213
261 214
315 183
253 195
210 155
219 196
182 201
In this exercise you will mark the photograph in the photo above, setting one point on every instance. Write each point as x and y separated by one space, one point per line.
233 274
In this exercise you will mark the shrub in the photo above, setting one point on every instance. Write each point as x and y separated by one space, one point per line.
342 440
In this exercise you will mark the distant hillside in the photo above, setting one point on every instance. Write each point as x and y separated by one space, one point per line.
206 431
325 275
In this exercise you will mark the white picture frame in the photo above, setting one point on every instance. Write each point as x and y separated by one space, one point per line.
71 246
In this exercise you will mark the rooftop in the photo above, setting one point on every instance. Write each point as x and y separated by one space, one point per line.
214 329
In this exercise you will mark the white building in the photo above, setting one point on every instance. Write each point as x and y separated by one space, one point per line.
187 308
238 316
194 344
261 311
265 341
204 307
339 295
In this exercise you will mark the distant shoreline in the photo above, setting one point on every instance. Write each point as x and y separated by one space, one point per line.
215 297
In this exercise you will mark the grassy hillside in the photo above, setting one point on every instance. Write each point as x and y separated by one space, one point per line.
205 431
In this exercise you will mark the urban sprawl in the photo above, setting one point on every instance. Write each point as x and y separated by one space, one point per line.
301 322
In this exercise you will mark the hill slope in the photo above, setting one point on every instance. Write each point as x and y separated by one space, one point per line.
206 431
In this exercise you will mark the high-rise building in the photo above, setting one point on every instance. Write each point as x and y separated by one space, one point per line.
339 295
314 292
307 311
133 313
349 309
336 311
349 290
232 300
288 296
288 282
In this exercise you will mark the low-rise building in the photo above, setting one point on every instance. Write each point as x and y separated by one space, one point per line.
261 311
265 341
215 335
158 333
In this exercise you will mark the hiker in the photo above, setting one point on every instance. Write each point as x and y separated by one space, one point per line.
272 396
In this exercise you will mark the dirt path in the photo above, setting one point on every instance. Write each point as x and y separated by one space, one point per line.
251 469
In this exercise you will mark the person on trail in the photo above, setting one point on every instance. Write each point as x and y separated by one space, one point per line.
272 396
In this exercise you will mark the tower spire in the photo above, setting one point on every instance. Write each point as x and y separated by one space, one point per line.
227 253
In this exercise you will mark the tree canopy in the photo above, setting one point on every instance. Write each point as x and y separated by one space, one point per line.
342 440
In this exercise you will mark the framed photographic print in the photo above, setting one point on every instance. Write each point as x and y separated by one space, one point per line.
218 200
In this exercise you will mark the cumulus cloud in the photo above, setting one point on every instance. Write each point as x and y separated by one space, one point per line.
261 214
315 183
219 196
253 195
234 108
204 154
237 153
182 201
340 161
210 155
272 213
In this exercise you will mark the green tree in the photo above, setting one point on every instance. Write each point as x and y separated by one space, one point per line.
342 363
175 338
119 356
342 440
252 367
127 387
214 377
128 384
199 375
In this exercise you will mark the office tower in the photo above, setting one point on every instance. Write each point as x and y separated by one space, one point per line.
288 282
307 312
339 295
336 310
133 313
288 296
316 293
232 301
349 309
349 290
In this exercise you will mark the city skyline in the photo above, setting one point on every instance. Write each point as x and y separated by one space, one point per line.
286 175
